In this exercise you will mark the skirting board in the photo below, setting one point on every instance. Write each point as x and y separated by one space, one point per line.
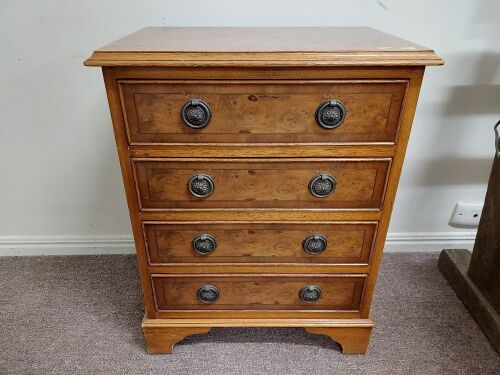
65 245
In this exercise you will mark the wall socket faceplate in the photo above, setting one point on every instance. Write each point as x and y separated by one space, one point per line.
466 214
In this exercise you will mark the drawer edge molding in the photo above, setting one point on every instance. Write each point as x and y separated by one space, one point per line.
249 292
261 268
285 215
257 322
257 245
261 150
361 183
154 111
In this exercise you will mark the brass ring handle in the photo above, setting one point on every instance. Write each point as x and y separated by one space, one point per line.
322 185
204 244
330 114
310 293
196 113
208 293
201 185
314 244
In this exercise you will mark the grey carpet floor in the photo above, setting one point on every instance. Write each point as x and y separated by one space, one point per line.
81 315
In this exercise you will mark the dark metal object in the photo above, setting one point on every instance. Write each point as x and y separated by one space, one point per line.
476 277
497 139
330 114
314 244
322 185
310 293
196 113
208 293
204 244
484 268
201 185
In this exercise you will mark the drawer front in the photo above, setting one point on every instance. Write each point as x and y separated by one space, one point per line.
308 243
270 183
257 292
266 112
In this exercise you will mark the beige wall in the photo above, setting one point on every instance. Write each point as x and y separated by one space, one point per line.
60 182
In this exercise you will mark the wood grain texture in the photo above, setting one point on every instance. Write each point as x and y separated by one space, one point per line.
260 215
262 150
267 268
265 111
258 292
274 214
162 340
397 165
264 46
332 315
162 334
251 77
352 340
128 182
262 72
269 183
261 322
259 242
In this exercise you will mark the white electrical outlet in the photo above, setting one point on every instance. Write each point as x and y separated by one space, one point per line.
466 214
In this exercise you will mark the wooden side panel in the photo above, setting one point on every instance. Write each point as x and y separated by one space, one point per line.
259 242
261 112
258 292
128 182
407 115
270 183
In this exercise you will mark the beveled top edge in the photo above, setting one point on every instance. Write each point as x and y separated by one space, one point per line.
249 46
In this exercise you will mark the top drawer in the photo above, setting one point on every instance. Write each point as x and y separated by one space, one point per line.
261 111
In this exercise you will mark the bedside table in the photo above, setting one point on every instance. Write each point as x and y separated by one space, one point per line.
260 167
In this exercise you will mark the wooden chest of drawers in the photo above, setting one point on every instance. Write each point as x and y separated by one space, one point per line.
260 168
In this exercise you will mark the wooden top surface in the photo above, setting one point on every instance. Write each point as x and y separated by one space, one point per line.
248 46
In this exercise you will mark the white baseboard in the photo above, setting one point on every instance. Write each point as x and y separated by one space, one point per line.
65 245
428 241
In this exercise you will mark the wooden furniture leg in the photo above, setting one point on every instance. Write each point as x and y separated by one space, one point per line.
162 340
352 334
354 340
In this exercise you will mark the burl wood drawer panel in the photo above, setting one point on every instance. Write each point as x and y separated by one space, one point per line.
306 242
258 292
266 183
266 111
